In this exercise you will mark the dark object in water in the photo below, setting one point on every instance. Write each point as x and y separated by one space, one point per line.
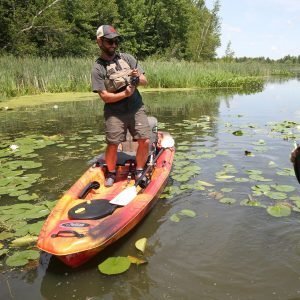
295 159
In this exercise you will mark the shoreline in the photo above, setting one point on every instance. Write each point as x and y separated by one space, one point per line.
46 98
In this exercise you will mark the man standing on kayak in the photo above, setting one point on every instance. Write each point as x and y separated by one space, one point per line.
115 77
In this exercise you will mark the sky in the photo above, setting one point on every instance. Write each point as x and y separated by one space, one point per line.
269 28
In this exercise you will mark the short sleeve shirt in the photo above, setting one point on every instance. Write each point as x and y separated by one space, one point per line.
127 105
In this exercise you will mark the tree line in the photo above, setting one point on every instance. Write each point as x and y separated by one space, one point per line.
288 59
182 29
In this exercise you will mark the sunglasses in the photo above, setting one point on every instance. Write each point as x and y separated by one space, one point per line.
111 41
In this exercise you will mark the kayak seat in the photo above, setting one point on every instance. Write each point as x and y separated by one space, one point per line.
122 158
92 210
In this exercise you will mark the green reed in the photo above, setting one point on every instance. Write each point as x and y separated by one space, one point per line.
25 76
32 75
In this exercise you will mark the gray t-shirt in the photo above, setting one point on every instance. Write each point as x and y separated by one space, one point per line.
99 74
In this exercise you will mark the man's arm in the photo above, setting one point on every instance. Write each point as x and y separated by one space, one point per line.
141 76
143 80
108 97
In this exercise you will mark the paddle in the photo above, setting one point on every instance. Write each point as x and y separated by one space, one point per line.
295 159
130 193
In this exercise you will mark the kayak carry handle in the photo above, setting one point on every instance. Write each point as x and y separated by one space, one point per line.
94 185
67 233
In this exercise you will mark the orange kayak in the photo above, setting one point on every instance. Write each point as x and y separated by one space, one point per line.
90 216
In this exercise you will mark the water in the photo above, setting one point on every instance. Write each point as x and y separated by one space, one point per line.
226 251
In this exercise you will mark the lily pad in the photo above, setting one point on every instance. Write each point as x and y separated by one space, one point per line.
114 265
259 178
272 164
248 202
226 190
18 193
276 195
241 179
221 177
28 197
5 235
284 188
279 210
141 244
24 241
3 252
175 218
227 200
286 172
22 258
4 181
261 188
238 133
252 172
204 183
136 260
187 212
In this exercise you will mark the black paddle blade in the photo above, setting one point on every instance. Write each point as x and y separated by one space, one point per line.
295 159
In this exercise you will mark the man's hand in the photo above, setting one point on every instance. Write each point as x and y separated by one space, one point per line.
129 90
135 73
135 77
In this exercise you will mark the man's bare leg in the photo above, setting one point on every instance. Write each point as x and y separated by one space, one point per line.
111 160
111 157
142 153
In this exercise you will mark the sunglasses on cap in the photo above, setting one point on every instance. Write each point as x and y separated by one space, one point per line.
111 41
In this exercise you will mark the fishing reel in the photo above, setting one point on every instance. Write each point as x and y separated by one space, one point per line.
134 80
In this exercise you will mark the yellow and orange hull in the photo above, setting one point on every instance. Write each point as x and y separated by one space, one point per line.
76 241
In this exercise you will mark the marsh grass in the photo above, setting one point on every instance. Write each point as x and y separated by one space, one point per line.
32 75
25 76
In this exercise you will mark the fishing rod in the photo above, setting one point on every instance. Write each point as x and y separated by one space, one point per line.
134 80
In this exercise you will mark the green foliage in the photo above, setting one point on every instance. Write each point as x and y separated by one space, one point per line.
21 258
60 28
204 32
229 53
181 29
33 75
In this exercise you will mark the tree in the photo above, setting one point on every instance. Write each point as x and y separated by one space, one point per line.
183 29
229 53
204 33
53 27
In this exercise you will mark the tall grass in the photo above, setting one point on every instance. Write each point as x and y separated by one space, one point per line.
31 75
209 75
25 76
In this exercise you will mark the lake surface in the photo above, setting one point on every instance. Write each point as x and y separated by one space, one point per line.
229 250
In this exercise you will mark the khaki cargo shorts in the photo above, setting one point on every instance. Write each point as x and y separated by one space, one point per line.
116 126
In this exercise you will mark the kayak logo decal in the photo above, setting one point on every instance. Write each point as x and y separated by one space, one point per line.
75 224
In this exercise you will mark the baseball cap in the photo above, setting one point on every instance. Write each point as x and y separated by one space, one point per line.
107 31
